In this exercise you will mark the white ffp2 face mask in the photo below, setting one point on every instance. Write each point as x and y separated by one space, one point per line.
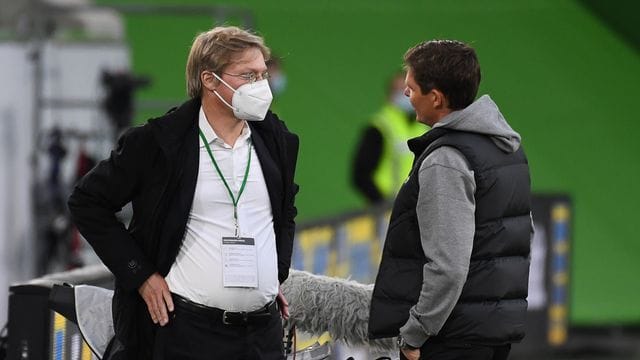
250 101
402 101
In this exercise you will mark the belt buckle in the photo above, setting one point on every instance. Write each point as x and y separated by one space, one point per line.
224 318
244 316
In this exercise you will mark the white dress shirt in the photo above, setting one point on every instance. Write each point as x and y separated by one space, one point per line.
197 272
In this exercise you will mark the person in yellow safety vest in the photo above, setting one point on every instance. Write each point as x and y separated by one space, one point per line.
382 159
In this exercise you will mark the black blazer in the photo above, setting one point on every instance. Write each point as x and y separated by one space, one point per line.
155 167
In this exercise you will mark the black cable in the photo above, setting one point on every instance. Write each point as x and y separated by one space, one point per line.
287 339
4 341
293 329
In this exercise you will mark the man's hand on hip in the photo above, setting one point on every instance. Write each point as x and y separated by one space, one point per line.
283 304
156 294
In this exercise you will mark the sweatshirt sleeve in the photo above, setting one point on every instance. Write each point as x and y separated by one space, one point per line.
446 218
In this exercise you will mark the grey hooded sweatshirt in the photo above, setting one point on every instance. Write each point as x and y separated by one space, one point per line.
446 217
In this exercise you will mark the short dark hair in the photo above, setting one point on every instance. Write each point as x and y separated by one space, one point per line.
447 65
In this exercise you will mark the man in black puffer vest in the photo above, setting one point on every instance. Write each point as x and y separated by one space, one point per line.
454 272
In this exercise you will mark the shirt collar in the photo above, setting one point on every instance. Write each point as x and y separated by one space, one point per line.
211 135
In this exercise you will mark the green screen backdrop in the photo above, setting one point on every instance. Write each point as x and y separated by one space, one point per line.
563 79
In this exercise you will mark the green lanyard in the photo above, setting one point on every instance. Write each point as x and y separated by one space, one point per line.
234 200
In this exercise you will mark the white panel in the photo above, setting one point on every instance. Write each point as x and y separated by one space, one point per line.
16 248
72 72
537 287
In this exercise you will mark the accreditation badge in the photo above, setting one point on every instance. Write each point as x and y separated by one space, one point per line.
239 262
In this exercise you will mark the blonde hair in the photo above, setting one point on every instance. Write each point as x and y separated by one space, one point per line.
215 49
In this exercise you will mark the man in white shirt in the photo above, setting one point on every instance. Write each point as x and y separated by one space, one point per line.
211 184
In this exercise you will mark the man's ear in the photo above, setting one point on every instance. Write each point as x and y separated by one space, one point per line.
209 81
440 100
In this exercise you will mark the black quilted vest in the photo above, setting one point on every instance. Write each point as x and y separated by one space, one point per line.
492 307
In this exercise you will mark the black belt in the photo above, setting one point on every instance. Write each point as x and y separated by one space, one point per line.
260 316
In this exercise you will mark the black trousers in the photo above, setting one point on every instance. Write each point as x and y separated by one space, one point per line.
192 336
444 351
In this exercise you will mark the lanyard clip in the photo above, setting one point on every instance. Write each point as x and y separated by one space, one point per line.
235 219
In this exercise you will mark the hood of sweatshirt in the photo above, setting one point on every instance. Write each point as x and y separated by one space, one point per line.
483 117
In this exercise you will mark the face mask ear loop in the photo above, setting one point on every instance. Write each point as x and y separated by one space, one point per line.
224 101
220 97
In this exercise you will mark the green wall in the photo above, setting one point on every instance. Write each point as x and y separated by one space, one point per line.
563 79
